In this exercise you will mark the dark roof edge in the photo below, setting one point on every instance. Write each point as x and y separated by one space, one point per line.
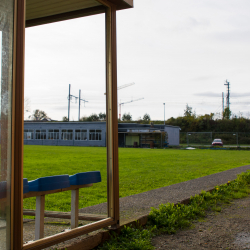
76 122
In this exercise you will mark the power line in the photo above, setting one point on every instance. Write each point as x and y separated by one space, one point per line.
80 104
69 99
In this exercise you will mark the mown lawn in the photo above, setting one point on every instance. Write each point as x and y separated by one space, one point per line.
140 169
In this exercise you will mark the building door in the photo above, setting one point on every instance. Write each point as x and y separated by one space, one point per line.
131 139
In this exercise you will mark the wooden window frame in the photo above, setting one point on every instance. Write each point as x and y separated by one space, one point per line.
18 135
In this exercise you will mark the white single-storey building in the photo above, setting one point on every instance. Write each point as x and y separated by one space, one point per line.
94 134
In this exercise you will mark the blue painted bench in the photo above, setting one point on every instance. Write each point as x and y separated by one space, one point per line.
3 188
54 184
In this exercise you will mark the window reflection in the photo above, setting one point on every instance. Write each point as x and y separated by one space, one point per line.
6 43
95 135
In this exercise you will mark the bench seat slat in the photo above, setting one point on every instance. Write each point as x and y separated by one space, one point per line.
85 178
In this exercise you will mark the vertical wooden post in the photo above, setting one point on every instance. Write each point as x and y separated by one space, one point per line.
39 222
6 28
74 208
6 55
112 120
17 125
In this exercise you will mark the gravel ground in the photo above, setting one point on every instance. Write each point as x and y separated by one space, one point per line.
229 229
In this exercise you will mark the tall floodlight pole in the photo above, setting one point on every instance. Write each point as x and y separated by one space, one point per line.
80 104
164 113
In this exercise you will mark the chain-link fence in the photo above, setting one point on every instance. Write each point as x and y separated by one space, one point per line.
229 139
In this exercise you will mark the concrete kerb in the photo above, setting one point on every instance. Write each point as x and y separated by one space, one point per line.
99 238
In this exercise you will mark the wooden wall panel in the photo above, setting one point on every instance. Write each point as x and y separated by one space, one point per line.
38 8
18 124
65 16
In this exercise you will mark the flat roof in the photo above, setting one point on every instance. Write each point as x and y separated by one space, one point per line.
120 125
47 11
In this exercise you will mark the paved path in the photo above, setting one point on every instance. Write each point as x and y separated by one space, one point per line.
135 206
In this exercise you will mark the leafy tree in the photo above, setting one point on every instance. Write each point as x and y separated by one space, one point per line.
188 111
127 117
102 116
227 113
146 117
84 119
93 118
65 119
39 115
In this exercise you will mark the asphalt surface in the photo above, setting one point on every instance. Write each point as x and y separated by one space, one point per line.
134 206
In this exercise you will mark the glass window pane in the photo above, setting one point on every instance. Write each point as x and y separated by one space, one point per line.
6 41
76 158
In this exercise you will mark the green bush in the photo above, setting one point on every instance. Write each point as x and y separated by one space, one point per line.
130 238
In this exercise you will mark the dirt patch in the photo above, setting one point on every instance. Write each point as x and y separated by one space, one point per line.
229 229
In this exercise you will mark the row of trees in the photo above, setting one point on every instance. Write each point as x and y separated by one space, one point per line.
91 118
190 122
128 117
39 115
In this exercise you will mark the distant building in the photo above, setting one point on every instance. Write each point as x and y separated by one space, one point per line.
94 134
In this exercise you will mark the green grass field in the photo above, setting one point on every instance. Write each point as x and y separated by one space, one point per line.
140 169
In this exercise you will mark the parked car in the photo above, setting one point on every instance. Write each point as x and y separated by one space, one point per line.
217 142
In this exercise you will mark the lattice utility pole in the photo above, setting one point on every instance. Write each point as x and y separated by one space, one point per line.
80 104
69 99
222 104
228 94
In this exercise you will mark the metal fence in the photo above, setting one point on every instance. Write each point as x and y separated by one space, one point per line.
229 139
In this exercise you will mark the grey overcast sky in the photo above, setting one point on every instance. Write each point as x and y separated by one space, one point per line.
176 52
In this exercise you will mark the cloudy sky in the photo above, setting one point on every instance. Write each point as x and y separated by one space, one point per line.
176 52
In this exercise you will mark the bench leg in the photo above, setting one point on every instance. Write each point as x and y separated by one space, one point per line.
74 208
39 222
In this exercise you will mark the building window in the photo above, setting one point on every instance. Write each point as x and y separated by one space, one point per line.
80 135
28 134
53 134
67 134
95 135
41 134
